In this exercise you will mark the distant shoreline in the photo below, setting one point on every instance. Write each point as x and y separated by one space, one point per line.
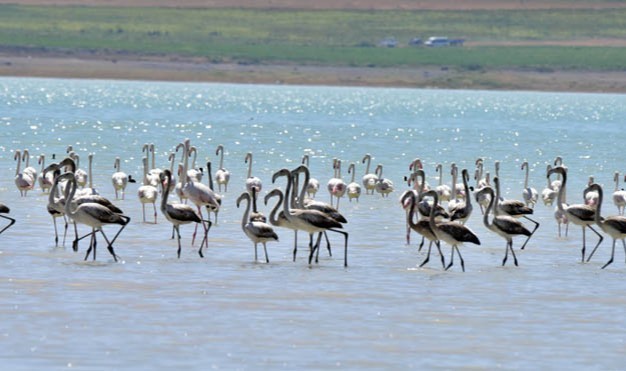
175 68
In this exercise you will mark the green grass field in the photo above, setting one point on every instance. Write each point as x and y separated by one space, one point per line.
323 37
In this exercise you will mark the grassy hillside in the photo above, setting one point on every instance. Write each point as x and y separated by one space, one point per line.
323 37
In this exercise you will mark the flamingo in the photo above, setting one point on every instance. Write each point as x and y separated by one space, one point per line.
198 193
529 194
478 175
154 171
482 199
24 181
463 209
313 204
313 185
422 227
310 221
548 195
336 186
514 208
4 209
194 174
579 214
257 232
281 220
147 193
222 176
80 174
27 168
384 186
455 201
93 215
45 180
56 206
614 226
443 190
149 178
353 188
180 214
591 197
503 225
452 233
619 195
369 180
172 159
252 181
423 206
119 179
210 208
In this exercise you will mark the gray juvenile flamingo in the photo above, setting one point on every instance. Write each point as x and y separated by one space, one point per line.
257 232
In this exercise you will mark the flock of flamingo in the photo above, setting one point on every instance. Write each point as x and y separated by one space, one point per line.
296 208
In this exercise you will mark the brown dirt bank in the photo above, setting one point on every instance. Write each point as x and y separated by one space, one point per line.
196 70
342 4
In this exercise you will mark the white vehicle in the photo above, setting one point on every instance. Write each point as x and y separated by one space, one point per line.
437 41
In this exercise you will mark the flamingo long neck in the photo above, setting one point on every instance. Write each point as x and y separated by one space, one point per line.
71 189
465 176
166 191
116 165
145 170
526 177
549 185
246 213
596 216
26 156
367 167
338 169
153 156
307 177
561 196
208 169
89 164
18 157
172 158
492 200
422 182
439 169
273 218
454 179
616 179
42 159
55 186
286 199
221 150
184 179
409 216
431 217
496 180
353 172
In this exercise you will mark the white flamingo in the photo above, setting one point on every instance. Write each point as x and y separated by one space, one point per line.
464 208
336 186
56 205
619 195
548 194
23 181
482 199
27 168
179 214
218 197
147 193
257 232
353 188
80 174
313 185
252 181
149 178
222 176
369 180
45 180
591 197
119 179
384 186
529 194
443 190
194 174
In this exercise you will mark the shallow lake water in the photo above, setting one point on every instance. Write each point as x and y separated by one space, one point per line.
152 310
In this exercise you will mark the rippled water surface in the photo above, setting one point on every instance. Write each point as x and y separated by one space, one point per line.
152 310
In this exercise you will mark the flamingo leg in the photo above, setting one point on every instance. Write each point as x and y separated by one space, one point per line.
11 222
345 252
422 245
177 229
206 236
506 253
460 257
430 245
56 233
328 244
127 220
255 253
75 242
598 244
143 211
295 244
267 259
531 233
443 261
109 246
65 231
612 255
513 252
313 248
155 212
451 258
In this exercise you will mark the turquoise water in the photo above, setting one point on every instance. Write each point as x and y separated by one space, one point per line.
152 310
